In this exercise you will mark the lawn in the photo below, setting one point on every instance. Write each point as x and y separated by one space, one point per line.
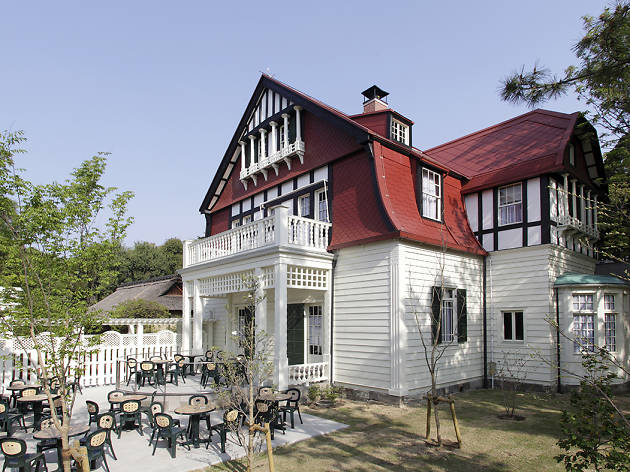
387 438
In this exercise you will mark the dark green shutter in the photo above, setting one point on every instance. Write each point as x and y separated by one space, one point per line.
295 333
436 300
462 316
292 128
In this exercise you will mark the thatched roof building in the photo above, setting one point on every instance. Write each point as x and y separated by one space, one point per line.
166 290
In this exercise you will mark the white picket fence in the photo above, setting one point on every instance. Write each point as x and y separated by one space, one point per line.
99 364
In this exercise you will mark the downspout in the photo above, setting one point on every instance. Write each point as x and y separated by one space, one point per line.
485 327
332 316
558 341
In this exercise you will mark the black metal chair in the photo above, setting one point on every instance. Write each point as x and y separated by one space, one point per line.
293 405
130 412
230 423
15 456
147 372
113 398
7 418
46 444
132 369
15 394
95 445
166 429
201 400
93 409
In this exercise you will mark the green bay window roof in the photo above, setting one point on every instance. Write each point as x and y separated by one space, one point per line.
572 278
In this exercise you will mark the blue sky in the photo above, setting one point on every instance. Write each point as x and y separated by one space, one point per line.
162 85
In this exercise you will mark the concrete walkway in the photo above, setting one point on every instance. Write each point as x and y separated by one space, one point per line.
134 453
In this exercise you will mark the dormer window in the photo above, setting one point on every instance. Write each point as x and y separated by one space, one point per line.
400 132
431 194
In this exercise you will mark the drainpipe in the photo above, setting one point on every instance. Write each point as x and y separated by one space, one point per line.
485 327
558 340
332 316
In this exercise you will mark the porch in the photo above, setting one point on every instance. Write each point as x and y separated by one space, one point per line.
287 257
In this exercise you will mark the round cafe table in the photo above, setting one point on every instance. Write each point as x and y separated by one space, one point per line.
195 412
274 399
53 433
38 406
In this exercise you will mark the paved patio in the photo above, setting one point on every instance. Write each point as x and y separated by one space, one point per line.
133 450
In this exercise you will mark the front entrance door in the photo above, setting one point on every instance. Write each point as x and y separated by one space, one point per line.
295 333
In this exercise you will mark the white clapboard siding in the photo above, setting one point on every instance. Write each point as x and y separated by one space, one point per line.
522 279
461 362
361 316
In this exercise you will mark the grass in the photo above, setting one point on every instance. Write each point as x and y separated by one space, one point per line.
387 438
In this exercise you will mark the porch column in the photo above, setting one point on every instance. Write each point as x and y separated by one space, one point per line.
583 205
274 138
261 307
574 198
326 326
197 343
186 308
565 199
243 163
589 211
595 212
132 329
281 362
298 131
140 343
285 130
263 154
253 149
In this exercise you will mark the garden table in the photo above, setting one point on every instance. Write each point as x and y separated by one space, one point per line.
53 433
38 406
195 412
275 399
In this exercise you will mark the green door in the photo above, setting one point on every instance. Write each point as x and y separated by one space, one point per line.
295 333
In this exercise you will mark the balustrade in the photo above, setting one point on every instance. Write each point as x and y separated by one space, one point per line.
302 374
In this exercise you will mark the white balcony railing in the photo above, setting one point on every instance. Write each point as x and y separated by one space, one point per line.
573 224
308 373
278 229
294 149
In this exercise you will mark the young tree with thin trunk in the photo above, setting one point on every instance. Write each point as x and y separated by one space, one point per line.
58 258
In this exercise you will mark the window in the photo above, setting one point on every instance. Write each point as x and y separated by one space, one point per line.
584 332
304 205
236 223
400 132
247 219
572 154
513 326
245 321
315 330
321 202
610 330
583 302
510 204
431 194
583 322
448 308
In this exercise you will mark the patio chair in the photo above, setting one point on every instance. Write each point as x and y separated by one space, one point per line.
293 405
230 422
154 409
265 391
156 357
54 385
264 412
132 369
166 429
15 394
209 355
93 409
7 418
130 411
106 422
147 372
113 397
15 456
178 371
46 444
27 392
57 405
201 400
95 445
209 371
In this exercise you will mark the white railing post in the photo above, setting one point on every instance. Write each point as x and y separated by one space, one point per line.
281 223
187 261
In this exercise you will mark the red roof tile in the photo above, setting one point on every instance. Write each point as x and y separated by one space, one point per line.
522 147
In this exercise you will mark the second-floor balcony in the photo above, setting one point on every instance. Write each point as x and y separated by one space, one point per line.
279 229
571 224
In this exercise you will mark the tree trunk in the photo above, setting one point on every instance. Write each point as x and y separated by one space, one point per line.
250 430
437 421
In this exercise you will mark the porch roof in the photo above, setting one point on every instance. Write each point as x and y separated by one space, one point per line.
572 278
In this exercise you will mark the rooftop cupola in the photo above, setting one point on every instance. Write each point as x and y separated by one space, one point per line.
374 99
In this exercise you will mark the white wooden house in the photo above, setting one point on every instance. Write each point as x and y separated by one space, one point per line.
356 237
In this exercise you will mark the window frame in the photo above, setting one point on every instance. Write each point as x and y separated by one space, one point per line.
513 321
435 197
513 204
399 132
317 208
610 322
584 319
449 336
306 197
311 329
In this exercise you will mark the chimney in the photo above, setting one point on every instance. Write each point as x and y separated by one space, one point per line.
374 99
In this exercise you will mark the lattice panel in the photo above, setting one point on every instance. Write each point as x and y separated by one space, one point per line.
306 277
166 337
268 277
111 338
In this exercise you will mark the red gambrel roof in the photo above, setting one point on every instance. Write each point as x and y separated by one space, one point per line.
525 146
